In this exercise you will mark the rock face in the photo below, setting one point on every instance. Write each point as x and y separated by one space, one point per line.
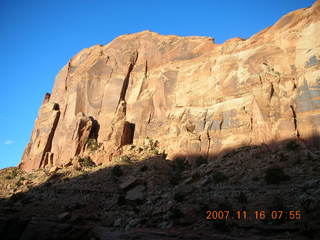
192 95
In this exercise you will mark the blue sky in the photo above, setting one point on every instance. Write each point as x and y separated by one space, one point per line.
38 37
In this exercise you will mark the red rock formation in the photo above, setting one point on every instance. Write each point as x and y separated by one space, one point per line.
191 94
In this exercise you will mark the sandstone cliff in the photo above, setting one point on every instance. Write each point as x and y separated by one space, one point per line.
192 95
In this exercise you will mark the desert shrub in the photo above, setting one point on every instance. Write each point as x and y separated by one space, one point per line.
116 171
86 162
92 144
155 151
154 144
13 174
219 177
151 144
125 159
164 154
19 182
275 175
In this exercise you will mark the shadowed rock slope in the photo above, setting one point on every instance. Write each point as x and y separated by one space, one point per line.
192 95
145 196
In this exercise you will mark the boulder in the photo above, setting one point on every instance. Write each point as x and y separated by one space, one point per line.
136 194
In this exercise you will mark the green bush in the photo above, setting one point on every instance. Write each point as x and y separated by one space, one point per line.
125 159
275 175
155 151
86 162
19 183
13 174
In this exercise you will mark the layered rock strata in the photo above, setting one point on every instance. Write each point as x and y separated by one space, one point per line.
192 95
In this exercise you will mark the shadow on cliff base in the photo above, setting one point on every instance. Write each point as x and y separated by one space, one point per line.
146 196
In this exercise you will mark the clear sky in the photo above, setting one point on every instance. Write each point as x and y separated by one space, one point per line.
38 37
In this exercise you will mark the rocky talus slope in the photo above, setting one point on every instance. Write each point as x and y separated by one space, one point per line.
145 196
192 95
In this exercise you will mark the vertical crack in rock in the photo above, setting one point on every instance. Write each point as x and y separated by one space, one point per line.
294 116
146 70
209 140
47 148
221 123
205 119
106 85
67 76
143 80
251 128
84 128
294 84
271 91
65 110
260 79
125 85
149 118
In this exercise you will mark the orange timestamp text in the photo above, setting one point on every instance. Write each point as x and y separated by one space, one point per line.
249 215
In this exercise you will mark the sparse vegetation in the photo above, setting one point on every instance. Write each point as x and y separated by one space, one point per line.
20 181
275 175
155 151
86 162
125 159
12 175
